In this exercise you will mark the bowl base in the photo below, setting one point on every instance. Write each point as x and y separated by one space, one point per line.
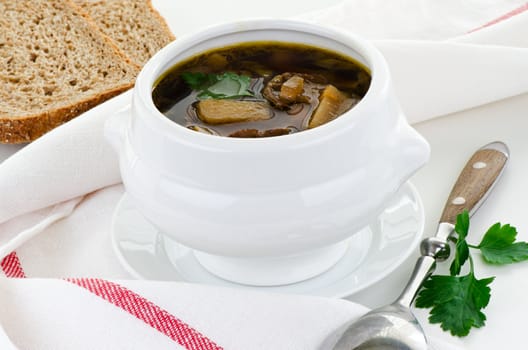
275 271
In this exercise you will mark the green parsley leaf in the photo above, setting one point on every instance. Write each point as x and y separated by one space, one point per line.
461 248
456 302
462 224
197 80
231 84
498 245
218 86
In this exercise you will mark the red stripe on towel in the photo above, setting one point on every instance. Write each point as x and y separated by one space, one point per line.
11 266
510 14
147 312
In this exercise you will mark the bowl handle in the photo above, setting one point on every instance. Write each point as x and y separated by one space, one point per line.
415 150
115 127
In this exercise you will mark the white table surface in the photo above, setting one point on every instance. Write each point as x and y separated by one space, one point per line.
453 139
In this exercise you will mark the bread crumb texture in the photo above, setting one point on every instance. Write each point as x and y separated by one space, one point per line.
54 65
134 25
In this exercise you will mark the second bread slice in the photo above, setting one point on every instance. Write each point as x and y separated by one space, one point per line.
134 25
55 65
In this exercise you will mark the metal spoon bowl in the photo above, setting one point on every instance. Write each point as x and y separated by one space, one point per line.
394 326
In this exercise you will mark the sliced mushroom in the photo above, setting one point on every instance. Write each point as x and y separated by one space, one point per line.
253 133
275 132
232 111
292 89
217 61
246 133
332 103
202 129
273 91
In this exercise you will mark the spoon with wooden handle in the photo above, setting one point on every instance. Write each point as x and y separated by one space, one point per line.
394 326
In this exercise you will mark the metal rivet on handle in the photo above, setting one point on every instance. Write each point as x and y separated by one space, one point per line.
479 165
458 201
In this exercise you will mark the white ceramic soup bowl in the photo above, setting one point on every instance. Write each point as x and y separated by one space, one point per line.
272 210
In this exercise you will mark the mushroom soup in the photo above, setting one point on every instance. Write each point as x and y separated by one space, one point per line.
260 89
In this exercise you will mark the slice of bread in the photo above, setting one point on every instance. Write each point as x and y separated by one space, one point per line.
55 64
134 25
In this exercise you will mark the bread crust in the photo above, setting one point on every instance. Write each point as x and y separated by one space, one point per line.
29 128
162 21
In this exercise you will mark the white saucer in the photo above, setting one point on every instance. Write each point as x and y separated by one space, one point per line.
377 251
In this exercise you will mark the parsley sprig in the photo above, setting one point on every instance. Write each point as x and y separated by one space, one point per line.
218 86
456 301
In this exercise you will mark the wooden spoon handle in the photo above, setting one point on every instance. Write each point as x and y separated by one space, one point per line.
476 180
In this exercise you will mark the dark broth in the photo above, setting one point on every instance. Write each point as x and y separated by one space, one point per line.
262 61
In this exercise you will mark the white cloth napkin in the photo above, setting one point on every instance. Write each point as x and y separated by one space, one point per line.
231 318
441 60
35 309
438 67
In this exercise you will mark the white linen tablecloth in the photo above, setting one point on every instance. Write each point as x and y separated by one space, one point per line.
58 196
